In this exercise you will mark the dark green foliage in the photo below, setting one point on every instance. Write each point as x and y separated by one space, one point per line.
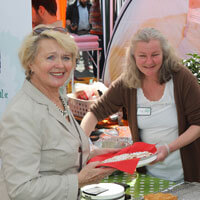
193 63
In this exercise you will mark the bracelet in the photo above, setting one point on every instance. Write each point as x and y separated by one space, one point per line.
167 147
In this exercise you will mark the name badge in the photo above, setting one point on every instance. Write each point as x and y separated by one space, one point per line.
144 111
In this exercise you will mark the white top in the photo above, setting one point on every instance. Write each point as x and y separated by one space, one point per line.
157 121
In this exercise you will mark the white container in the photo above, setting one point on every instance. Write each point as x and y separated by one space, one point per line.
111 191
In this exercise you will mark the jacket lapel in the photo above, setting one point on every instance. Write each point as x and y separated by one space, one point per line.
54 112
40 98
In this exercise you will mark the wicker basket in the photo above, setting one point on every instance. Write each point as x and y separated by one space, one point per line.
79 107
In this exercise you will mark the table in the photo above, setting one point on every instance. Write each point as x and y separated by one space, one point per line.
140 184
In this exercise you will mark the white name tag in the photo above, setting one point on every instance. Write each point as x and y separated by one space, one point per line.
144 111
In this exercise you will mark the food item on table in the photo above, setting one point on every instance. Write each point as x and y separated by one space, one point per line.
160 196
115 137
128 156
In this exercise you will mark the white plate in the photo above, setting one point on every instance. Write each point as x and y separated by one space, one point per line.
114 191
146 161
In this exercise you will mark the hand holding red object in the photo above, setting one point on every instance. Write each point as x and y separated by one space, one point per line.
128 166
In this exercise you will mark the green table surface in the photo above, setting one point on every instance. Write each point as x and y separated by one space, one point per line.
140 184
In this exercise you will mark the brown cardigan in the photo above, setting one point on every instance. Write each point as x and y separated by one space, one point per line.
187 99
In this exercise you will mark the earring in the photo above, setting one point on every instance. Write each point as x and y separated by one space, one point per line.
31 72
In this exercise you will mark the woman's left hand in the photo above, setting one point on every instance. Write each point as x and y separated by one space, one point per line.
100 151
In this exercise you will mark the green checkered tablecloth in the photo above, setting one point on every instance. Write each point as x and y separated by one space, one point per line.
140 184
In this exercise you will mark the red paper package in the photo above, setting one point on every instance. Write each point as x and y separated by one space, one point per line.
126 165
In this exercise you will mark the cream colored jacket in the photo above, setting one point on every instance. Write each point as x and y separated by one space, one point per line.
39 149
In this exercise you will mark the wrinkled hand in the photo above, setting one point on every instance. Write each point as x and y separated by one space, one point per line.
100 151
162 153
91 175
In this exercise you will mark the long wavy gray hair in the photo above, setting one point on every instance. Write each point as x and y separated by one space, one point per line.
132 76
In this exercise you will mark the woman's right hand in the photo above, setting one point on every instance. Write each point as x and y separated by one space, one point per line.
91 175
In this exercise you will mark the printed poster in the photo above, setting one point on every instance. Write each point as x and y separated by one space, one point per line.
15 23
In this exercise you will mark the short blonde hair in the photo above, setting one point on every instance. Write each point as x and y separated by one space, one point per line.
171 63
29 47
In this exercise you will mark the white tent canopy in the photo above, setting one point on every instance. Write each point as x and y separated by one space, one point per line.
178 20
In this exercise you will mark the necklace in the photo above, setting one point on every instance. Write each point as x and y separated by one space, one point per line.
63 112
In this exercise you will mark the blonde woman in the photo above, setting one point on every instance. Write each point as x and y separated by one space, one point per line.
43 149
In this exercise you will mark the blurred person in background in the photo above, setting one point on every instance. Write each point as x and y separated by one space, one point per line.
77 21
97 29
44 12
